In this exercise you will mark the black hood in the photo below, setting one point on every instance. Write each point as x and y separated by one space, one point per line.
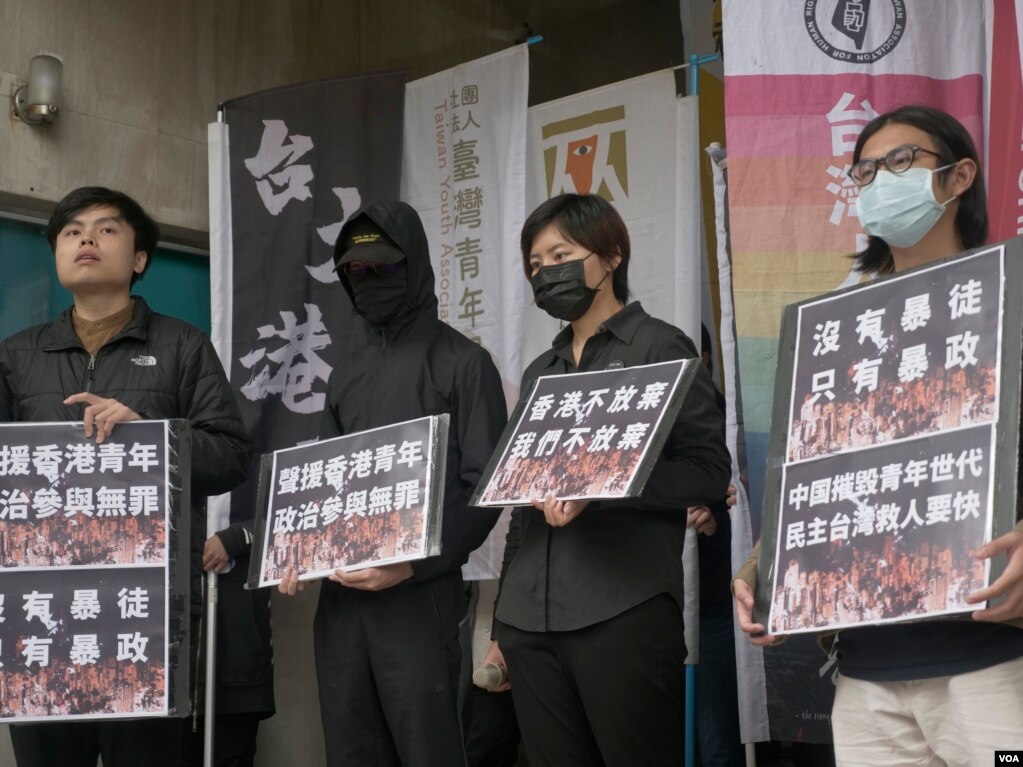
401 223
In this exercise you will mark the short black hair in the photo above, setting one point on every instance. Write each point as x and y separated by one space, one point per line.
953 143
588 220
145 229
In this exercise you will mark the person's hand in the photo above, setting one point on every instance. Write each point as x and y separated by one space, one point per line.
730 497
560 513
290 584
1009 584
744 613
700 519
495 656
374 578
214 555
103 414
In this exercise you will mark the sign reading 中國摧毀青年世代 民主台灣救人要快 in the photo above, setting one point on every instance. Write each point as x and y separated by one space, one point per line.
886 482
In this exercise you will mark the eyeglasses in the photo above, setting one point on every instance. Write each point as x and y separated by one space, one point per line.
899 160
357 270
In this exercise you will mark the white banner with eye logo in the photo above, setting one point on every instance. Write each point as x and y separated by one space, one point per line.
636 145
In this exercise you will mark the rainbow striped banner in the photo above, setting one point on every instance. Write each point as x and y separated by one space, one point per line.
801 81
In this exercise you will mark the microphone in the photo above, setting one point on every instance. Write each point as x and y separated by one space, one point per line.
489 676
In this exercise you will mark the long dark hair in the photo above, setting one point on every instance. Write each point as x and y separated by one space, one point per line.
953 143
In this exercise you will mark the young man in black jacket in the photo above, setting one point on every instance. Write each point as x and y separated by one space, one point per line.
386 638
107 360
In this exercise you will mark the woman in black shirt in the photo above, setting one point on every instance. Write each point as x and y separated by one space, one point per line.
590 611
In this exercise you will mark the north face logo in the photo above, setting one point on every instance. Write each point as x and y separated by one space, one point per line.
144 360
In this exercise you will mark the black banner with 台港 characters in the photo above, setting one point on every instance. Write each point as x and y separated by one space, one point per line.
289 166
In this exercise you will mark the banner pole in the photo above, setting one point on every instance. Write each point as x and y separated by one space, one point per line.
695 62
690 725
211 676
211 645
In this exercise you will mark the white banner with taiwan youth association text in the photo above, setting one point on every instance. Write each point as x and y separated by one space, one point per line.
463 170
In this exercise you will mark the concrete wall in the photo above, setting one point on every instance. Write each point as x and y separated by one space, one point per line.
142 78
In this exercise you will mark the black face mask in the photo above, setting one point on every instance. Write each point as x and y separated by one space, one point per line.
561 291
380 299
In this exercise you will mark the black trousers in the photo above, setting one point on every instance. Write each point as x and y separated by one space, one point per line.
149 742
387 664
234 741
491 731
610 694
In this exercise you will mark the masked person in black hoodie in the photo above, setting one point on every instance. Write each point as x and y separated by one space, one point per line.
386 638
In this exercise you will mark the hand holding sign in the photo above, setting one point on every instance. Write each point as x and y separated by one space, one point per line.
290 584
104 413
374 578
1009 583
758 635
560 513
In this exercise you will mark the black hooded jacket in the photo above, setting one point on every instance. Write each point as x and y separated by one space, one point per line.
415 366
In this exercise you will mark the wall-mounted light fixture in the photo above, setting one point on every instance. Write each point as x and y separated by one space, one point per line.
38 103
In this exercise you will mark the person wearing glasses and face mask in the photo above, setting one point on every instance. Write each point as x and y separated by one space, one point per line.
589 615
386 639
945 692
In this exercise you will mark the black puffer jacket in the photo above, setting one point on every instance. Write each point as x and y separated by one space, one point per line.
158 366
415 366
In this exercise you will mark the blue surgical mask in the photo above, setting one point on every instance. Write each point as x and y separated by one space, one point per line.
900 208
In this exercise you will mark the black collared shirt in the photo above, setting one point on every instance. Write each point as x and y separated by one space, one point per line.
616 554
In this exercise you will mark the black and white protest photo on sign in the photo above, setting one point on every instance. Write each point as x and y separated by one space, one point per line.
891 451
587 435
93 540
64 500
920 355
365 499
875 535
83 643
